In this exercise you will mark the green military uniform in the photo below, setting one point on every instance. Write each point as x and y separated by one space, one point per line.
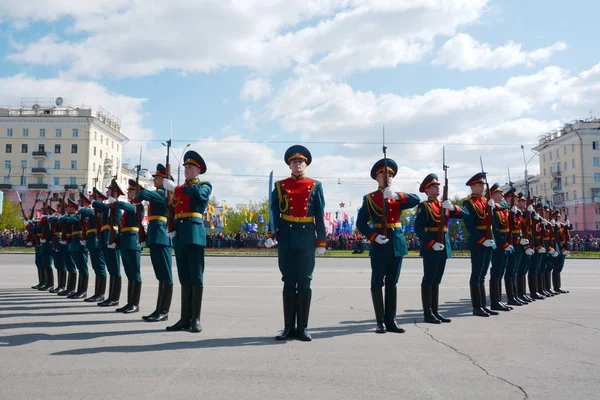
46 251
190 201
78 252
35 231
130 252
481 244
427 228
96 253
518 240
563 240
297 207
540 253
160 246
57 255
386 258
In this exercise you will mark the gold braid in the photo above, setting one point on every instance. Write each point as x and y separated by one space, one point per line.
373 206
480 214
283 199
431 213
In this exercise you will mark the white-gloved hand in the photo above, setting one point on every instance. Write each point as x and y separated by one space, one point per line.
524 242
172 234
56 250
565 253
509 249
489 243
529 252
437 246
555 253
169 184
42 240
544 221
111 200
63 242
536 216
542 251
269 243
552 222
530 208
26 221
112 246
319 251
381 239
83 242
143 244
29 243
514 209
567 223
447 204
389 193
491 203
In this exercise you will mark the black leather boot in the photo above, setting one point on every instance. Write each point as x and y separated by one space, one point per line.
71 282
426 302
541 283
560 288
548 283
377 298
503 304
129 294
289 316
62 282
45 285
155 312
476 303
391 299
99 290
435 304
164 305
556 282
186 310
523 285
50 280
495 296
82 287
510 292
40 279
197 292
304 298
483 300
532 278
134 304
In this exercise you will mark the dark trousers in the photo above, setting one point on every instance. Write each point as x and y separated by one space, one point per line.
98 262
113 261
524 265
499 261
132 264
296 267
385 267
190 265
59 260
480 262
433 268
513 260
162 262
70 263
81 260
536 261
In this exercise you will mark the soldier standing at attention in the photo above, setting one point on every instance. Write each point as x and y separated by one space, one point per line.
387 251
46 249
96 253
481 242
189 239
298 209
159 244
57 253
504 248
434 252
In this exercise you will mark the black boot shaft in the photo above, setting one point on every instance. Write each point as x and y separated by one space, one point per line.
435 304
426 302
304 300
377 298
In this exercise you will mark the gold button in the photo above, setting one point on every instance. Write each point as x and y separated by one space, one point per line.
291 199
291 208
306 199
305 208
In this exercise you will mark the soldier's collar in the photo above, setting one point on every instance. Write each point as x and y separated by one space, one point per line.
160 187
192 181
379 188
475 195
432 199
298 177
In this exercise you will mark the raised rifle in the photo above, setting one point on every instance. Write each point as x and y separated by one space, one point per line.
37 198
81 217
170 206
45 225
63 232
139 208
511 215
112 236
29 237
489 234
97 221
386 208
567 235
441 234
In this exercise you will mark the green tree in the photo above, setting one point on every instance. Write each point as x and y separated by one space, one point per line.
11 215
239 215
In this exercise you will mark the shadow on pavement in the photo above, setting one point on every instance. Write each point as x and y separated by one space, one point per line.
61 324
24 339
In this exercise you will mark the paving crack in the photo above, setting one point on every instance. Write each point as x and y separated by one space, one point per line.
561 320
426 331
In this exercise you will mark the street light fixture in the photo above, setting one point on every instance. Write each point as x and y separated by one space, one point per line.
178 159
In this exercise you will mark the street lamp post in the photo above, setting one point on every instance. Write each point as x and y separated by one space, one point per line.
526 164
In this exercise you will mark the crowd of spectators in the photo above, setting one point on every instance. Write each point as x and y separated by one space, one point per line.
12 237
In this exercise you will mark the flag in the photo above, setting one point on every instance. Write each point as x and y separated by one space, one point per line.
221 215
211 209
251 215
271 226
212 224
245 211
224 221
225 207
261 218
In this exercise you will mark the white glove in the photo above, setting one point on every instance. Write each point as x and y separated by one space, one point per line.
388 193
555 253
542 251
83 242
111 200
269 243
529 252
489 243
143 244
536 216
544 221
169 184
530 208
319 251
29 243
112 246
63 242
491 203
26 221
565 253
524 242
567 223
438 246
448 205
552 222
56 250
381 239
172 234
42 240
509 249
514 209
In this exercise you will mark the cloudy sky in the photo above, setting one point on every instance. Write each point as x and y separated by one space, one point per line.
242 80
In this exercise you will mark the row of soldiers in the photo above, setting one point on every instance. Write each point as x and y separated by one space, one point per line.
504 231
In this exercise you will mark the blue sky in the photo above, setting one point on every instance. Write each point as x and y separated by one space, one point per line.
242 83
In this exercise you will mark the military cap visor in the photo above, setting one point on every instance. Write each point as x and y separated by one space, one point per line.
116 188
297 152
193 158
132 185
72 203
379 166
160 171
495 188
431 179
99 195
477 178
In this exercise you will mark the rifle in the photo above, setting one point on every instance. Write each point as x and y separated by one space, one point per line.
63 233
489 235
112 236
81 218
96 214
45 225
21 206
139 208
37 197
386 208
170 206
567 235
511 216
441 235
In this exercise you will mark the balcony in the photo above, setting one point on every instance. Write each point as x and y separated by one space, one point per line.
555 170
37 186
38 171
39 154
5 186
556 185
71 186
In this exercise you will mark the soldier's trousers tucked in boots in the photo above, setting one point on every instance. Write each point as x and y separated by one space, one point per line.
99 290
289 316
476 302
509 283
426 302
435 304
391 299
71 282
377 298
163 303
495 296
184 322
61 279
114 292
133 304
197 292
304 299
82 286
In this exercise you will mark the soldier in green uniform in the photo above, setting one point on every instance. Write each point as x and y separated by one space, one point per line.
518 240
538 256
189 239
46 250
78 252
481 243
91 244
297 207
57 253
387 251
502 238
526 211
564 252
159 244
434 252
34 229
130 250
111 251
66 221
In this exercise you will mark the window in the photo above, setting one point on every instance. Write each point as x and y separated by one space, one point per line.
73 164
94 167
567 196
41 147
7 164
574 180
596 161
597 210
40 164
544 185
95 135
40 181
596 197
23 197
118 162
7 180
9 148
72 181
573 148
23 148
117 146
57 148
544 157
56 164
25 132
94 150
23 180
565 165
100 153
596 177
596 145
566 180
574 194
550 156
573 163
112 144
565 150
544 171
9 132
58 132
101 139
42 132
76 134
597 225
575 210
557 155
23 164
73 148
56 181
576 226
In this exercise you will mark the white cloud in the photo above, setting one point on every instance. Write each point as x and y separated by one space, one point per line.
465 53
256 89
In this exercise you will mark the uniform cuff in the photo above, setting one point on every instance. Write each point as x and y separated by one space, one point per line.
480 240
430 244
373 236
321 243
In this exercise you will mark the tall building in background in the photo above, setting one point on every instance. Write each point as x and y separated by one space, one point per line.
49 146
570 173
